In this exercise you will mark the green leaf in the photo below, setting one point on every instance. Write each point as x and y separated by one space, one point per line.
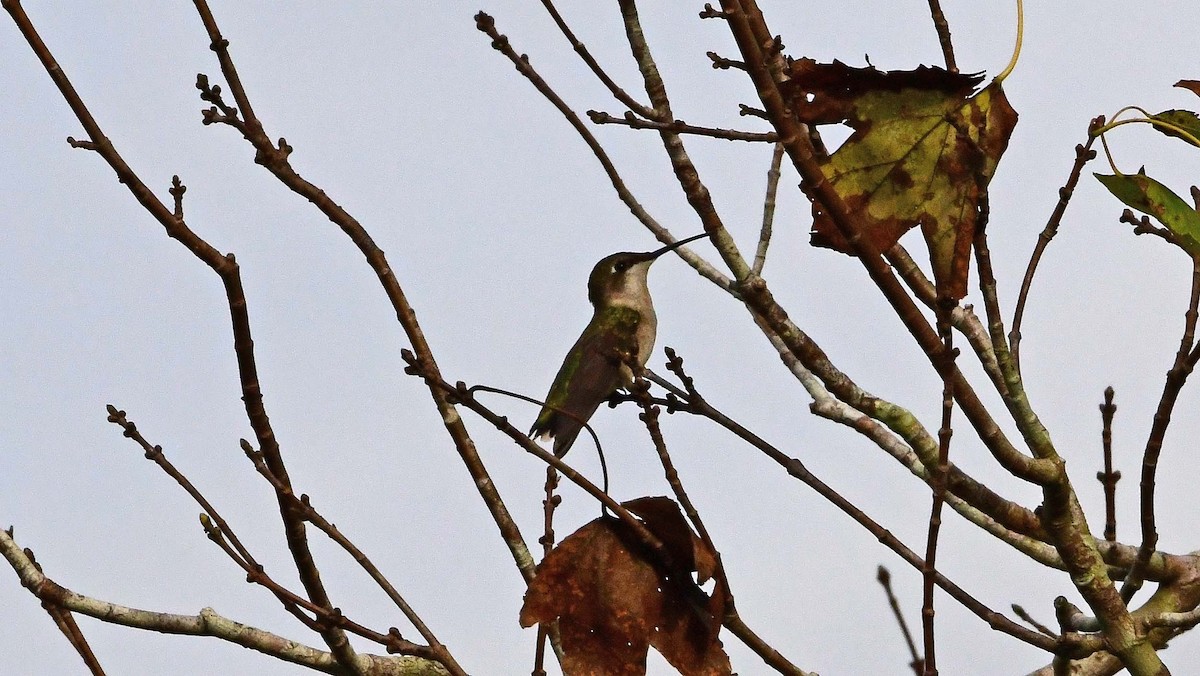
1157 201
1184 119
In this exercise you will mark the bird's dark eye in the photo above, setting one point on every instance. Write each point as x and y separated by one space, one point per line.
620 267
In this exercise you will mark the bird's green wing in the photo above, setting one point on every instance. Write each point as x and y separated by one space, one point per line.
589 374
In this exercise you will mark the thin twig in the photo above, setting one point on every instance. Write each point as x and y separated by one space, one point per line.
768 219
548 506
885 580
772 657
939 478
1024 615
750 111
1142 226
962 317
1185 360
991 301
66 623
220 532
1109 477
549 503
154 453
721 63
620 94
1083 154
681 127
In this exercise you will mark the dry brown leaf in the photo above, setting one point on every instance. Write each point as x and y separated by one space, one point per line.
1191 85
612 602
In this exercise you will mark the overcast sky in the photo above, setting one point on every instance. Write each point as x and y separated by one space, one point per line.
492 212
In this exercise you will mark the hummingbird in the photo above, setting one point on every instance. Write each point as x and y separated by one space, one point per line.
622 329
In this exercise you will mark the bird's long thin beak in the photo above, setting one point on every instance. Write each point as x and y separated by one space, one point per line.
671 247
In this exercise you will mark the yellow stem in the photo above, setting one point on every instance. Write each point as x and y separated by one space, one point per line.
1016 48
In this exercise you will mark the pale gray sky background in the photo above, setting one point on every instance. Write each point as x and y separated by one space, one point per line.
492 212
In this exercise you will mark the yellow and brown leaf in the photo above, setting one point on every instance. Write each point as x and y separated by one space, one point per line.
924 147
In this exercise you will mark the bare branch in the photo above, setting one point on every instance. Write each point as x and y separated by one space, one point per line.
465 396
939 480
640 391
1061 513
304 506
963 318
219 531
1143 226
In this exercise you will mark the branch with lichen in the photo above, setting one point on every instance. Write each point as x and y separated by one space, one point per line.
689 398
206 623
